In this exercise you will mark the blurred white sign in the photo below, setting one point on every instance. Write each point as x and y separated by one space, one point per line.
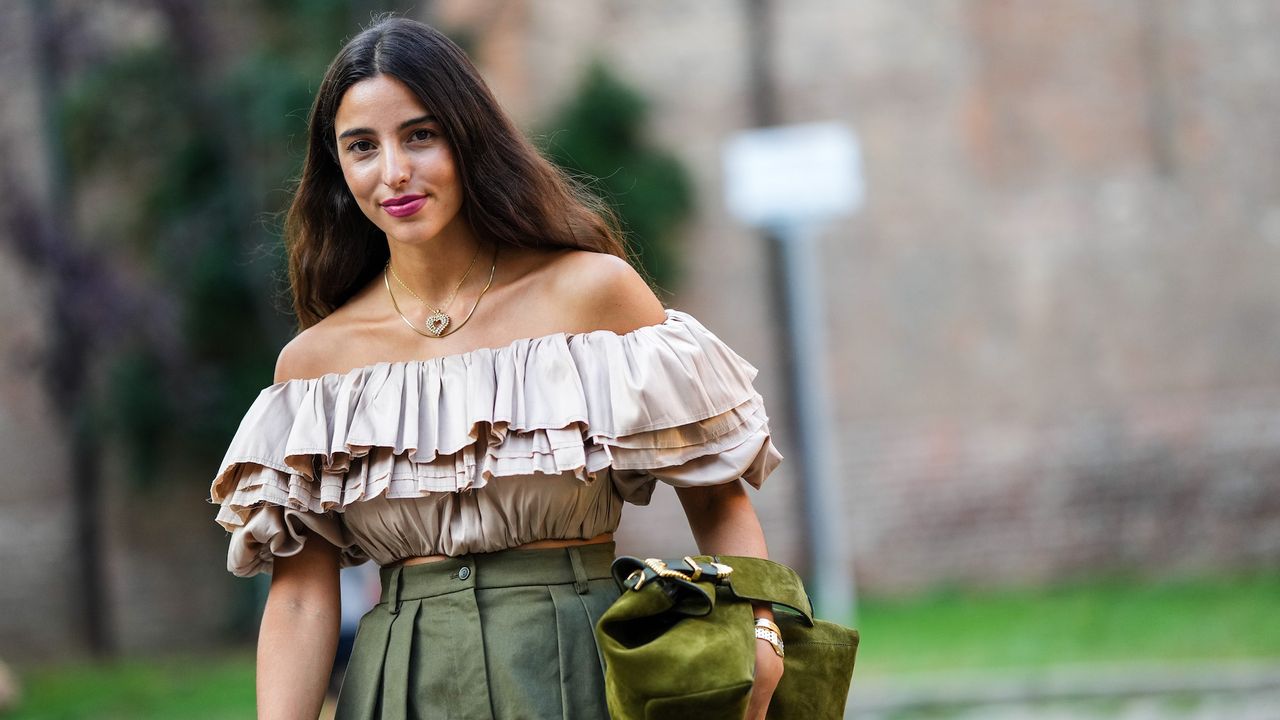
793 173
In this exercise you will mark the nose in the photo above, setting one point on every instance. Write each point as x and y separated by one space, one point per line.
395 167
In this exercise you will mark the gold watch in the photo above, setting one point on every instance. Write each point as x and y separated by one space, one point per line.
768 631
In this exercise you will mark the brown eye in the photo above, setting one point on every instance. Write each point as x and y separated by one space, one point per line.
423 134
360 146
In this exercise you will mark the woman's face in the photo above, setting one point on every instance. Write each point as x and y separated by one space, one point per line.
396 161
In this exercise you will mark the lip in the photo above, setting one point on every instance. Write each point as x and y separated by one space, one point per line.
404 205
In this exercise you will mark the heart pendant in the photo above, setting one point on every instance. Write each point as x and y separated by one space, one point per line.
436 322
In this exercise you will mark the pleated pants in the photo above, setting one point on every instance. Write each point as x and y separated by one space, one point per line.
494 636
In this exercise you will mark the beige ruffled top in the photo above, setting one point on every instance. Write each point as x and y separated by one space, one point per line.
488 449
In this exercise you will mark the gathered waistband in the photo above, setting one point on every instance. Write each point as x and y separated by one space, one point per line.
574 564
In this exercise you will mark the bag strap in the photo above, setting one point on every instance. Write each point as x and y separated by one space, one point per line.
768 581
688 583
632 573
748 578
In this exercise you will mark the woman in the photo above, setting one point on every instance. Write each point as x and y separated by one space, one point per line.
481 380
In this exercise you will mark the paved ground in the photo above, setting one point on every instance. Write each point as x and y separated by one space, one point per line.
1232 706
1236 691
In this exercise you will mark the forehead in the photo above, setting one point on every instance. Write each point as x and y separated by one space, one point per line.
378 101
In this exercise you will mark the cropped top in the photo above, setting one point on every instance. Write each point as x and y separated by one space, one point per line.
543 438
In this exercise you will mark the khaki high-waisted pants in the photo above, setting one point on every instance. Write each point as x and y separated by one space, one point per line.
491 635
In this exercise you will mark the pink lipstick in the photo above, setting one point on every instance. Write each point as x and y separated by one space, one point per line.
405 205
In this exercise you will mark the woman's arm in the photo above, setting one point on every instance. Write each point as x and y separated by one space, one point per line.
299 633
724 523
604 292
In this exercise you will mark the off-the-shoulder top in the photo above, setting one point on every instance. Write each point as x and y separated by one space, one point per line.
544 438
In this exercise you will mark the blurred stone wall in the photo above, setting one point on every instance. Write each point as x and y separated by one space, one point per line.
1054 326
37 576
165 581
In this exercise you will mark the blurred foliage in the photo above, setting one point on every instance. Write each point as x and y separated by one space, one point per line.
599 136
195 150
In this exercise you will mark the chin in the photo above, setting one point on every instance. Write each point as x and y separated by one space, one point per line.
412 234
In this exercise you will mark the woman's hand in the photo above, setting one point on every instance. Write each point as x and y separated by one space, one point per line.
768 673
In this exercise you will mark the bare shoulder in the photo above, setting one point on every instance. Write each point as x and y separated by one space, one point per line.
309 354
604 292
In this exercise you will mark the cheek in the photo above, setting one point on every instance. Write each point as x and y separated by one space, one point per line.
357 182
449 176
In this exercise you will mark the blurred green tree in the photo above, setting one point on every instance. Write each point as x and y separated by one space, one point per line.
599 137
194 142
172 151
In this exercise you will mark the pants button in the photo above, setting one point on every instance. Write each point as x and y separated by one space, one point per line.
464 572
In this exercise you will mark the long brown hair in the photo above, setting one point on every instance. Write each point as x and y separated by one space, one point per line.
511 193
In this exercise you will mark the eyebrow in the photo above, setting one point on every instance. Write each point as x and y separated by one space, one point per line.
403 125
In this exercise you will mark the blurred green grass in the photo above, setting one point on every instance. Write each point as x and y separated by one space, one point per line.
1112 621
187 687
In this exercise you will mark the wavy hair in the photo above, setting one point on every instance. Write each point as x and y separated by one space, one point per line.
511 193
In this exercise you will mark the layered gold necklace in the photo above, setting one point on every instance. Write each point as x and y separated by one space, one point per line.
438 320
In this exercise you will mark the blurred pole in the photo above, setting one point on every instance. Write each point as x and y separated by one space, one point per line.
764 98
829 553
67 369
794 274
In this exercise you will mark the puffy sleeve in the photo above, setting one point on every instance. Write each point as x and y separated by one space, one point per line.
269 506
672 403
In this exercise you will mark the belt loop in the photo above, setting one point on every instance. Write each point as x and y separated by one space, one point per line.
393 591
579 571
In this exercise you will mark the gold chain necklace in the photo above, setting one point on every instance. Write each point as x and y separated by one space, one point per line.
432 333
438 319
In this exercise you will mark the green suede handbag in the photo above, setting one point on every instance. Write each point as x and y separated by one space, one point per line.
679 642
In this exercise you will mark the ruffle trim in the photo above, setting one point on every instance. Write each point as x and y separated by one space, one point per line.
273 531
657 401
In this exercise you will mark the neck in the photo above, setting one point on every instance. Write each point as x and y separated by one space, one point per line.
432 269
